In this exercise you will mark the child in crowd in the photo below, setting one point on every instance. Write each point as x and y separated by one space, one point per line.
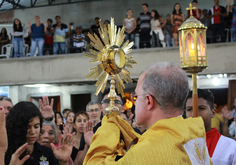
222 150
69 122
78 41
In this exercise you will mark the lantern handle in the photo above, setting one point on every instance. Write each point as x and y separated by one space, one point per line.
191 9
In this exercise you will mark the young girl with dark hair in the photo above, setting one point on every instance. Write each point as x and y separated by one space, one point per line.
17 33
23 125
4 39
177 18
157 23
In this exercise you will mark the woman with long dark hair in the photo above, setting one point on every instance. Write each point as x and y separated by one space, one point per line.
4 39
23 125
177 18
17 33
157 23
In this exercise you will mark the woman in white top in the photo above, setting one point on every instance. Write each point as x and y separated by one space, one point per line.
157 23
130 25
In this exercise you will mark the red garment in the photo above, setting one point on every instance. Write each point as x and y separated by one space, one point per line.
216 18
178 20
195 14
212 138
48 37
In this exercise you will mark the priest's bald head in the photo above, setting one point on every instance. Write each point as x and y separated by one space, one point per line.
161 92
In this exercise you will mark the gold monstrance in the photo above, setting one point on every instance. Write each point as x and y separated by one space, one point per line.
113 59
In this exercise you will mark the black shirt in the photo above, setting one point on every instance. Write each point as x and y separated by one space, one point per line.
95 28
63 26
41 155
82 143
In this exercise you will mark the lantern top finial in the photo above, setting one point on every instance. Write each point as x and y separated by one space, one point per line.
191 22
191 9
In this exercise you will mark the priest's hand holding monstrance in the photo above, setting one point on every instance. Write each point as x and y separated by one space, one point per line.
111 56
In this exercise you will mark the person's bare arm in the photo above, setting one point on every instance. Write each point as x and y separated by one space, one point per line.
54 29
124 25
229 7
182 17
45 27
3 137
226 117
163 22
225 129
135 25
81 155
198 14
224 14
172 19
6 40
29 25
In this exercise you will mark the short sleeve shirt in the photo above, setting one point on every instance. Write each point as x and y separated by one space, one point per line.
37 32
60 33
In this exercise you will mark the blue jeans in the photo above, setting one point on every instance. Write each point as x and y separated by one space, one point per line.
37 42
130 37
18 47
56 46
168 40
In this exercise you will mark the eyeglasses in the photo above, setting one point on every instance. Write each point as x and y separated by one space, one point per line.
134 97
107 101
94 110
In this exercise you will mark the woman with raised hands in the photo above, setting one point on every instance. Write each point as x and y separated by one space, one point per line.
23 125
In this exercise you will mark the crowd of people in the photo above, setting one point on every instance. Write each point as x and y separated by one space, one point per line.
154 31
32 135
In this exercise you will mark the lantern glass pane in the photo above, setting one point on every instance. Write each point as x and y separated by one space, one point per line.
190 54
201 49
180 48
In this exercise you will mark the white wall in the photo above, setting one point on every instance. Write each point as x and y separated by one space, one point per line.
22 93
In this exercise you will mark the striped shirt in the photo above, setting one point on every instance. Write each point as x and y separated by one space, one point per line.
145 21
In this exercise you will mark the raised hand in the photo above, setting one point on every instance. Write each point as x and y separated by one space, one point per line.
226 113
129 120
45 107
228 1
63 152
3 132
67 129
15 157
29 24
88 132
45 24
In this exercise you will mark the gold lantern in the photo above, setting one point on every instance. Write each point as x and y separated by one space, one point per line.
192 47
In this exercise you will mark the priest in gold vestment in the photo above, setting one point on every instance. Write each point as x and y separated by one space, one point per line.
160 96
